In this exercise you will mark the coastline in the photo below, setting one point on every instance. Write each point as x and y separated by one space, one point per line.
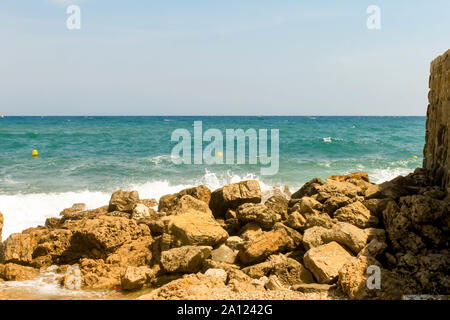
228 240
343 237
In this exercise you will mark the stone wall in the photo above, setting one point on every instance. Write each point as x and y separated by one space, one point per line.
437 146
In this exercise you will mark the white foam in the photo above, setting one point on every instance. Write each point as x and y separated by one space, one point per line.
22 211
382 175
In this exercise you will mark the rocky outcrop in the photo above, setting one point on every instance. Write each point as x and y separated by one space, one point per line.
326 261
123 201
167 202
437 147
233 195
187 259
15 272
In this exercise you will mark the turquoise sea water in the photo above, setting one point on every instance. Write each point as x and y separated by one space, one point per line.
84 159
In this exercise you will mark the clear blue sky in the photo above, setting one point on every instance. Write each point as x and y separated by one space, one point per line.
211 57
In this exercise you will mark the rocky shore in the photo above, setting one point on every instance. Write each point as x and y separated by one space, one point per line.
238 243
228 243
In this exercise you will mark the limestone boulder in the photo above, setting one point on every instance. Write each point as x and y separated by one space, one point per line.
306 206
357 214
373 249
235 242
309 189
187 259
278 204
265 245
185 203
95 274
250 231
96 238
347 235
343 233
52 248
19 247
217 273
135 253
194 229
351 176
233 195
224 254
333 188
123 201
257 212
15 272
296 221
336 202
134 278
288 271
167 202
325 261
354 275
190 287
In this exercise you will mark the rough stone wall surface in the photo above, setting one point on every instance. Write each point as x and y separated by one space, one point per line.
437 146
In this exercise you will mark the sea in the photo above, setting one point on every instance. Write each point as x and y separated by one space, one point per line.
85 159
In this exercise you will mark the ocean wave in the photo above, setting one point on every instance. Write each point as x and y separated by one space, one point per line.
22 211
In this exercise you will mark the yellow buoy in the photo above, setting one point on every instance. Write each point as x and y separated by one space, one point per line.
34 153
415 157
219 154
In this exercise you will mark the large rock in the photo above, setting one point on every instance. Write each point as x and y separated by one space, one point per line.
289 271
343 233
348 235
308 189
351 176
185 259
123 201
333 188
278 204
96 238
194 229
353 278
190 287
436 151
185 203
134 278
306 206
257 212
357 214
325 261
265 245
135 253
52 248
18 248
201 193
15 272
412 223
98 275
224 254
233 195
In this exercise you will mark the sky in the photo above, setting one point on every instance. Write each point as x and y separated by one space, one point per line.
211 57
